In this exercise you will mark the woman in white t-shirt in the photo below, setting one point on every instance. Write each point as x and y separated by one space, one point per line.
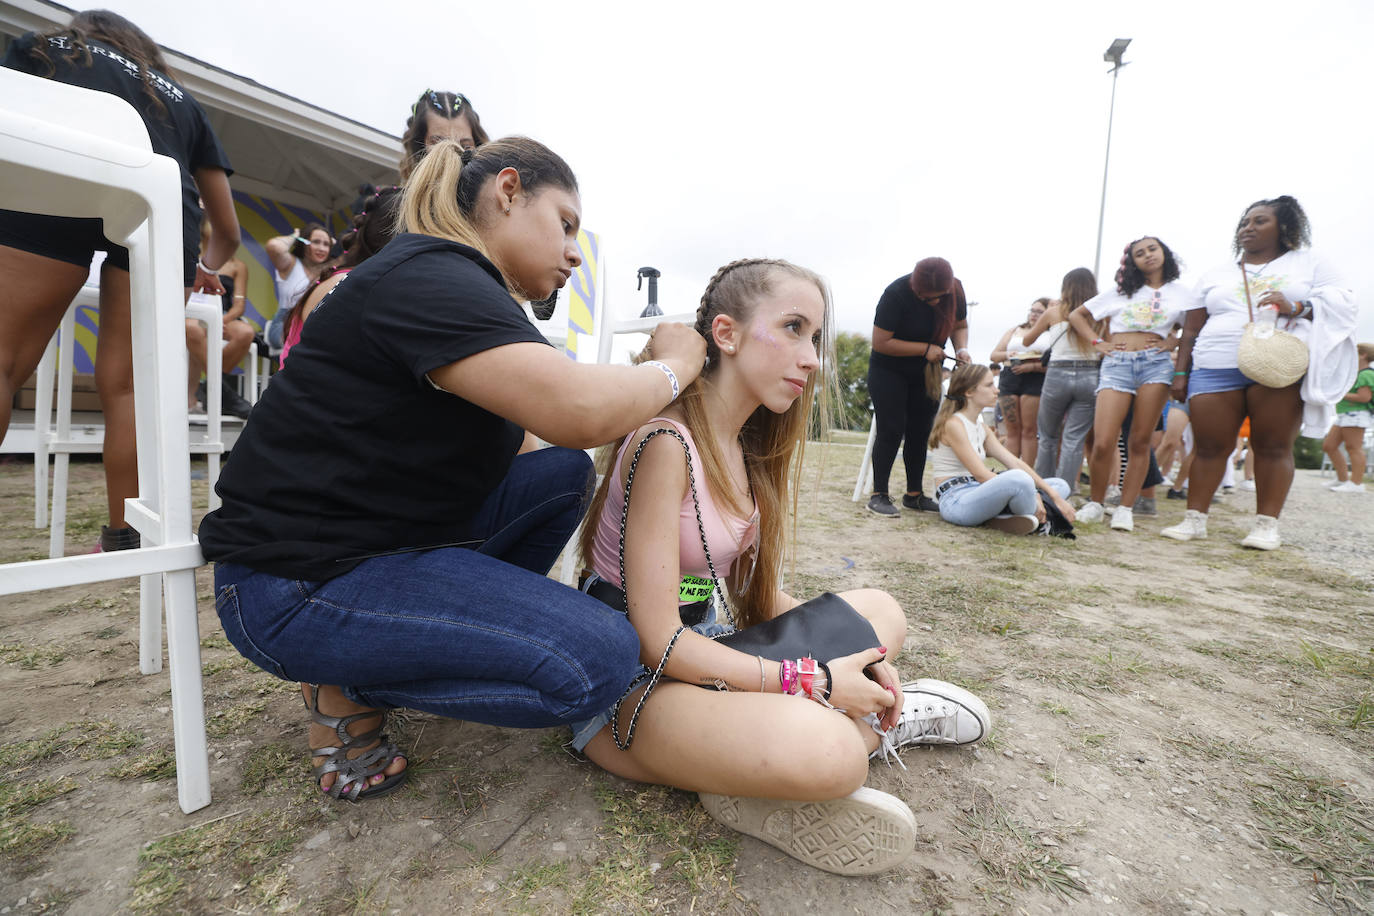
297 260
1142 313
968 491
1314 303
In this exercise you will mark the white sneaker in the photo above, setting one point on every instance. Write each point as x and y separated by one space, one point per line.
1333 484
1192 528
1349 486
1113 497
1089 512
1246 485
1124 519
933 712
1265 534
864 833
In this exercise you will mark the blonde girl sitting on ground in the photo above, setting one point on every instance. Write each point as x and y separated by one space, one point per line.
759 757
968 491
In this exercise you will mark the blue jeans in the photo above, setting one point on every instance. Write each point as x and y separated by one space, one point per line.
1068 400
1127 370
480 634
1012 492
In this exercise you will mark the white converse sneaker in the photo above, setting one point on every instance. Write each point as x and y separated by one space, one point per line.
1192 528
1089 512
934 712
1265 534
1124 519
864 833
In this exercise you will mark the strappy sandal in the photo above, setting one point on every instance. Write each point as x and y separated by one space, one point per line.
353 779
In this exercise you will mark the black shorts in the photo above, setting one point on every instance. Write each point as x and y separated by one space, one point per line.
1029 383
73 240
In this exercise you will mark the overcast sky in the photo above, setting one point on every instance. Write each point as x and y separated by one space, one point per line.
856 138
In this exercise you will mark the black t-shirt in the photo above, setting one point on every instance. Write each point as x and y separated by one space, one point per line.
182 131
908 318
351 451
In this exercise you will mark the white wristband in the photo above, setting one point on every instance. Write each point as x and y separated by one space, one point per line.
201 264
666 370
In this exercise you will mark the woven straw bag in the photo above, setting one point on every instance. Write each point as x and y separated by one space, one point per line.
1276 361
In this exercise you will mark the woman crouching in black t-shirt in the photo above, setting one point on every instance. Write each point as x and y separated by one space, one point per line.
379 534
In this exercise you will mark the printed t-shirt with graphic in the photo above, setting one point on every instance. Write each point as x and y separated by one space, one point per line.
352 451
1364 380
1298 274
182 132
1148 310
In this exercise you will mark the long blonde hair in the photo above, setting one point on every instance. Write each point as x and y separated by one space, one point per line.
442 195
965 378
773 444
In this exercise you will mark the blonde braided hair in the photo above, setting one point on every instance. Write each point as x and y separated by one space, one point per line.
772 444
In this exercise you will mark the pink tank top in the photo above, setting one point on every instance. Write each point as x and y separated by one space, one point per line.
727 536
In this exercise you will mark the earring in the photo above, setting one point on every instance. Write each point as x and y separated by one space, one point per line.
508 211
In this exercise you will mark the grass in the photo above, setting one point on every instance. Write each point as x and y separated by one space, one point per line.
1014 855
22 839
1320 827
157 765
245 857
30 657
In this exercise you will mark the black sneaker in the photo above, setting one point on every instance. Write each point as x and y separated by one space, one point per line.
1176 494
920 502
112 539
881 504
234 404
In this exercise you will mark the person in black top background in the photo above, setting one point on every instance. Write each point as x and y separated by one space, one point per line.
380 540
44 260
917 316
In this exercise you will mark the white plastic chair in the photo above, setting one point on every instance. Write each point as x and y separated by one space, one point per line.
102 165
207 308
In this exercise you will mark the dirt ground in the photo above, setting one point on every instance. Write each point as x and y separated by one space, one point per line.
1179 728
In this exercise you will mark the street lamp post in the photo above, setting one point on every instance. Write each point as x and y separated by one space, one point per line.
1113 56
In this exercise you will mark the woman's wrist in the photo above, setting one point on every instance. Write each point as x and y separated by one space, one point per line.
211 271
668 374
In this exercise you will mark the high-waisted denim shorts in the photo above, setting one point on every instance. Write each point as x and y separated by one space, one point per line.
1127 370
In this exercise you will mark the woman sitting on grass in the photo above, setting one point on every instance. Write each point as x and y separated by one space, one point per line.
968 491
759 752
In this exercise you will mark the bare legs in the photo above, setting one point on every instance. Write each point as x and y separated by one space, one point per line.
238 337
1275 417
34 294
753 744
1353 439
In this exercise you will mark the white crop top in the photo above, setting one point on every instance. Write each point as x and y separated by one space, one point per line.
1066 345
945 463
1149 310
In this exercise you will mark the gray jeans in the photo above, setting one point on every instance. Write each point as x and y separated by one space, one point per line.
1066 402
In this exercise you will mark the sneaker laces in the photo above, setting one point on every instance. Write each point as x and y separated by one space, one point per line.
937 722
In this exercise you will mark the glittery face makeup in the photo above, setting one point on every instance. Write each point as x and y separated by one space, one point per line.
780 348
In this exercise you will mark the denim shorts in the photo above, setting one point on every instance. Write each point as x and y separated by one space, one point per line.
1211 381
583 732
1127 370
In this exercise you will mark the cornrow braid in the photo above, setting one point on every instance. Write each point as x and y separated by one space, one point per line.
711 305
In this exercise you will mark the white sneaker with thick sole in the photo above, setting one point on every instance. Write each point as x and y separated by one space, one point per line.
1246 485
1089 512
1124 519
1192 528
933 712
1349 486
1265 534
864 833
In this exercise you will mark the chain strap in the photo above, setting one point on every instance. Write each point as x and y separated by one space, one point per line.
657 674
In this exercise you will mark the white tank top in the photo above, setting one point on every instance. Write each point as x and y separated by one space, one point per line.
1067 345
944 463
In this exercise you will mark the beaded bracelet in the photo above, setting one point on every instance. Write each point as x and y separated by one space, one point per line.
666 370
